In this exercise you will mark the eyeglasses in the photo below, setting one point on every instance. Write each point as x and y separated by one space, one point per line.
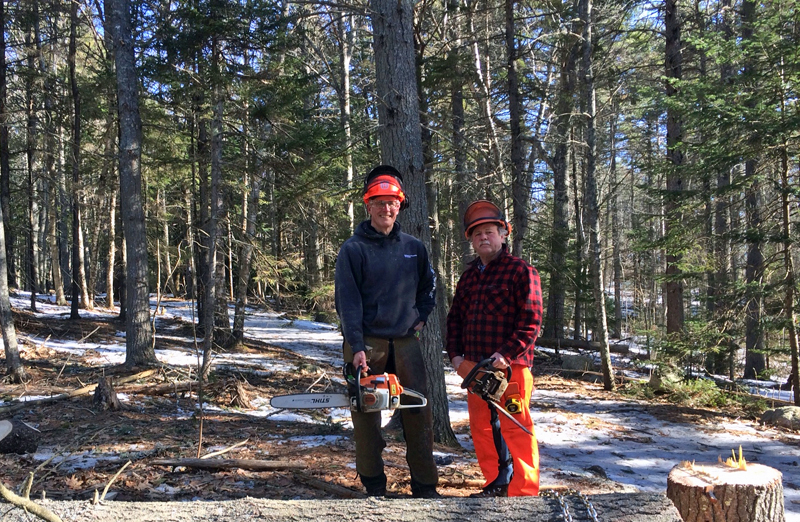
392 203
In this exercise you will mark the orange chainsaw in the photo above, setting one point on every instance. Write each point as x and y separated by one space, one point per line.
489 383
365 394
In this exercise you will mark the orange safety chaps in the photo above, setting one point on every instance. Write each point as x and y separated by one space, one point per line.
524 448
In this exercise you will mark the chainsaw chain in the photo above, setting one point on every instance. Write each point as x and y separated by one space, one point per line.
561 498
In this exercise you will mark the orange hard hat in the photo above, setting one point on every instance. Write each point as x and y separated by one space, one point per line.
483 211
385 180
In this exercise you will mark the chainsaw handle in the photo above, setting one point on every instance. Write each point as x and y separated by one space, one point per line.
478 367
412 393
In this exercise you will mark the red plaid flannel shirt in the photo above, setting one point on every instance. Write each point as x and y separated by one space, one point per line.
497 309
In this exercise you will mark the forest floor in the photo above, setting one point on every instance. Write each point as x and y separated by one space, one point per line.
82 447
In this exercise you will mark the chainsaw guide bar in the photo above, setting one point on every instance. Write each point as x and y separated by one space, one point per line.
306 401
366 394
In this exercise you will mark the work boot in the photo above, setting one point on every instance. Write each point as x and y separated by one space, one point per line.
376 492
492 491
425 493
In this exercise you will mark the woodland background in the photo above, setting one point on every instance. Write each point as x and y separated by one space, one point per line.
645 152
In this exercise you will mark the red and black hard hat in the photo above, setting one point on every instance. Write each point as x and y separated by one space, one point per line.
483 211
385 180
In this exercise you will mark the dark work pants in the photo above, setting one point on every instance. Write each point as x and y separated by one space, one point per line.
402 357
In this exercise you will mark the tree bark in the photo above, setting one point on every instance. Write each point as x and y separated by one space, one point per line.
139 349
5 165
673 219
559 237
520 180
76 150
401 147
32 156
600 328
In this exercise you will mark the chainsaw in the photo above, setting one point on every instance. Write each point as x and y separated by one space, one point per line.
490 384
366 394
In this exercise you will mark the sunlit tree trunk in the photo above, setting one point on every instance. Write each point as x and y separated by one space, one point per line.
616 226
559 238
344 25
14 367
139 349
600 328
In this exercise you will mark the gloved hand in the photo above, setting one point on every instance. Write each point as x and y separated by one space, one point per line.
464 367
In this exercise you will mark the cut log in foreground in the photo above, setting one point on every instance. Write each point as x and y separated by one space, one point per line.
719 493
17 437
617 507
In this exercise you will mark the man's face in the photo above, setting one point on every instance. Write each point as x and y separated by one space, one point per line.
383 212
487 240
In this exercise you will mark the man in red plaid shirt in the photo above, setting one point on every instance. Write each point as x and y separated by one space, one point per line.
497 313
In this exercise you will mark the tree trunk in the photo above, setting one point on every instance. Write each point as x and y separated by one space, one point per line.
401 147
719 493
32 156
559 237
755 360
5 165
616 226
139 349
674 219
250 197
51 178
212 286
112 249
520 180
789 278
76 153
345 29
600 328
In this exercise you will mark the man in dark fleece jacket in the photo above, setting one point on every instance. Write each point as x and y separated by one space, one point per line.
385 289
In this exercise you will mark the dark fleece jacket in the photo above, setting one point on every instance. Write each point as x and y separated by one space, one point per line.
385 285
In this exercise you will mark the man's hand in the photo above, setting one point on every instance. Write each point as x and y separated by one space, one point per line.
462 366
360 361
500 362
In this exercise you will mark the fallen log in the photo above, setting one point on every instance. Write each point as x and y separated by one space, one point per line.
721 493
581 344
159 389
617 507
327 487
216 464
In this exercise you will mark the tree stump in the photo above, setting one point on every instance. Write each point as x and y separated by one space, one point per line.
720 493
105 397
17 437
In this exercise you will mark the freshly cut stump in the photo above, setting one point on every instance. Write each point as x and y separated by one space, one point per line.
17 437
719 493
